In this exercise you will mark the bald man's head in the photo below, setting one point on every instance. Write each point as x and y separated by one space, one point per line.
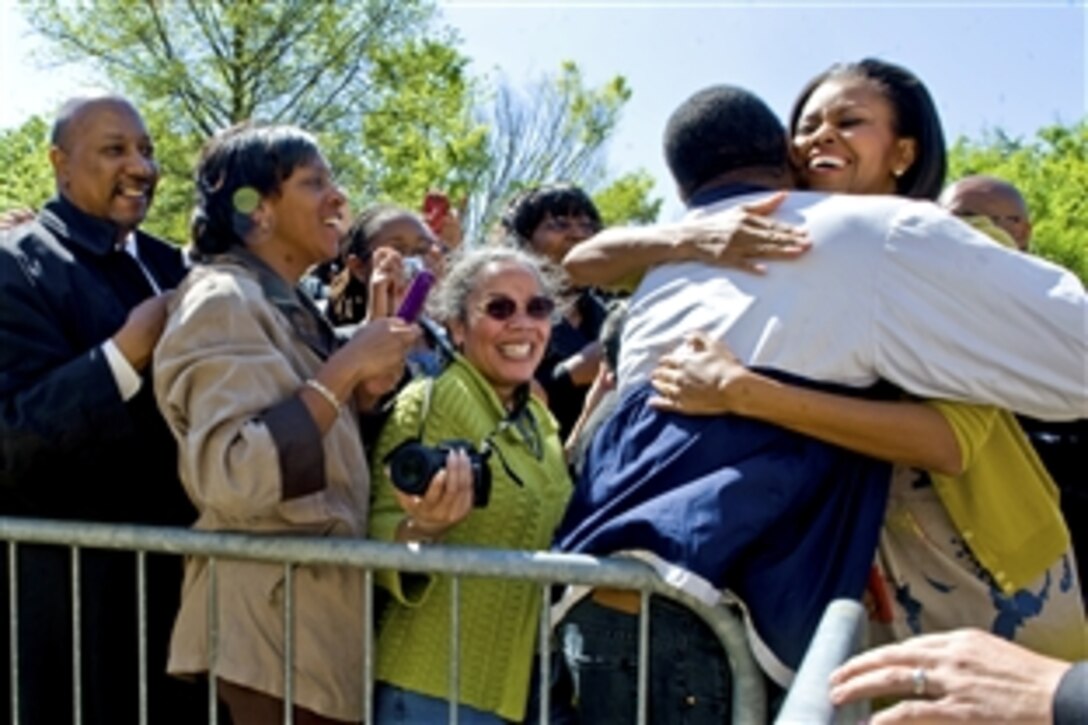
103 159
994 198
76 108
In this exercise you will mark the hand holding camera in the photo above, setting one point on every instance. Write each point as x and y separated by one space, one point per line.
444 499
413 465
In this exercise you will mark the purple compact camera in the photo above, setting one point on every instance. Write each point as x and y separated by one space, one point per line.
412 305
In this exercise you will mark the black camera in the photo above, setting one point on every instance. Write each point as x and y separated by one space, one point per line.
413 464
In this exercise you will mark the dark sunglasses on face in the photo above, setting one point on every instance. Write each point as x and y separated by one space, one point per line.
502 308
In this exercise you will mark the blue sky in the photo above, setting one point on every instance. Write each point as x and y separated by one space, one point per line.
1017 66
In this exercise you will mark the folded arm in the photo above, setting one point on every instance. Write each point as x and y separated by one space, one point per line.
703 377
618 257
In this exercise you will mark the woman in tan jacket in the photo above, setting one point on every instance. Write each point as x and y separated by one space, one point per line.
264 404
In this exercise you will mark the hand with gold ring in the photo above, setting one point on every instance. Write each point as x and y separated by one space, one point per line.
965 675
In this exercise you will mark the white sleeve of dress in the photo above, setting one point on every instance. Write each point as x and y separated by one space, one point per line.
959 316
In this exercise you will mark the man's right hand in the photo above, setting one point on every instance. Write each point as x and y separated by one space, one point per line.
137 338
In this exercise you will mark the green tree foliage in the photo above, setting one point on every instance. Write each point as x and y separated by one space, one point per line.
196 66
556 129
627 200
24 156
420 132
386 92
217 62
1051 171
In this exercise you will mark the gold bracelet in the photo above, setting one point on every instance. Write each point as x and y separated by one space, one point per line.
318 387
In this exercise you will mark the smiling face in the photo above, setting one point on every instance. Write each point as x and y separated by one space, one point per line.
302 222
846 140
506 352
104 163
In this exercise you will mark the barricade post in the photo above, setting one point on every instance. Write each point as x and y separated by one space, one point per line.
839 635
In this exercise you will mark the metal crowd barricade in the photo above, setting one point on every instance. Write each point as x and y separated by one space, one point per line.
839 635
547 569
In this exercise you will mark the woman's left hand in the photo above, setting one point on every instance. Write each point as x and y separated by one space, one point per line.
700 377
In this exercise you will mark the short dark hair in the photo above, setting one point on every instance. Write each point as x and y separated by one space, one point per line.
915 117
721 129
244 156
530 207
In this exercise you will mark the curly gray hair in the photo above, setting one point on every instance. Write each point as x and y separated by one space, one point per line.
449 301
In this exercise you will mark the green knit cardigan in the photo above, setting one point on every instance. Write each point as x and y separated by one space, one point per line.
498 618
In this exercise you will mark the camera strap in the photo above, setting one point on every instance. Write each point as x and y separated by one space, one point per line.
425 411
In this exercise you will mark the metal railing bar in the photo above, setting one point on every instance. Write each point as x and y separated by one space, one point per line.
362 553
288 643
455 647
77 651
837 637
213 641
13 626
544 637
141 631
643 710
368 647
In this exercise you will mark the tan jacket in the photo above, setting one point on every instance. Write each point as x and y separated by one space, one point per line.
237 346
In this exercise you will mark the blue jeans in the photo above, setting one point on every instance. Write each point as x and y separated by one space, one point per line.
689 677
393 704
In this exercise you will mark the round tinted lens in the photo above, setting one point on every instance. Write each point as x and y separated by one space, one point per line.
540 307
500 308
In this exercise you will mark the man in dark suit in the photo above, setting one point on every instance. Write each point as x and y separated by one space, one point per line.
82 304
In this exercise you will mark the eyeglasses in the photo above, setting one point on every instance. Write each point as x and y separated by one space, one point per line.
501 308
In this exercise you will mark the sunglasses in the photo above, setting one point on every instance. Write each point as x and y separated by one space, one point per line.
502 308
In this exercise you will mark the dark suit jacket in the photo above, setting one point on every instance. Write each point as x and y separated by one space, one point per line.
71 448
63 425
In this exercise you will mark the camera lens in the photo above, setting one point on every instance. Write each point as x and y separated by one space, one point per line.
411 471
